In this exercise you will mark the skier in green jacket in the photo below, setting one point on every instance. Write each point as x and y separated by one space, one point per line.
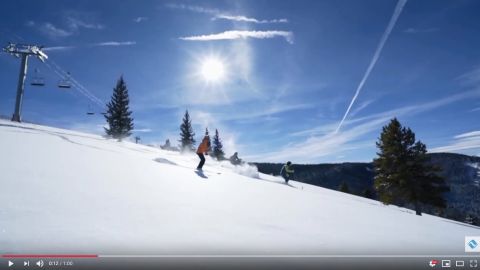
287 172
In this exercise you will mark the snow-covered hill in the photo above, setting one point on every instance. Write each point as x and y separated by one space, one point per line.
65 191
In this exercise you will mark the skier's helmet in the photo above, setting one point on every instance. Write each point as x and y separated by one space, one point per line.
289 163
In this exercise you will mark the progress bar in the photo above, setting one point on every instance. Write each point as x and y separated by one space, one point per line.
73 256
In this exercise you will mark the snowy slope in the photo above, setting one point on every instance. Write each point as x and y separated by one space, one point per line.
65 191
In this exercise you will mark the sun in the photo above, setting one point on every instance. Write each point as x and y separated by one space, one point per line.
212 70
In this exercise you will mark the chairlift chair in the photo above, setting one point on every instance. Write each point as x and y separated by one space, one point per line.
65 82
90 110
93 113
37 80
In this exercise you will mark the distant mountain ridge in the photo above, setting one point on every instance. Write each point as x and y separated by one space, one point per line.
461 172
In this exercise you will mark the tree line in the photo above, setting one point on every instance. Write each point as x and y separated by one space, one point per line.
187 139
120 124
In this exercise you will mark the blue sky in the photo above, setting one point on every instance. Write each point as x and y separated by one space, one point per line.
291 70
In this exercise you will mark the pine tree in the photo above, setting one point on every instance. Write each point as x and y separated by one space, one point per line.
209 142
344 187
388 164
469 219
167 144
367 193
218 147
426 185
187 141
403 173
118 115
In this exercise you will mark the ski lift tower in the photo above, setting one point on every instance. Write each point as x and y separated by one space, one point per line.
23 51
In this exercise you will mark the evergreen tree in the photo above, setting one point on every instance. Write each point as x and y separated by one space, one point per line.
120 123
344 187
209 142
367 193
167 144
218 147
387 165
187 142
403 173
469 219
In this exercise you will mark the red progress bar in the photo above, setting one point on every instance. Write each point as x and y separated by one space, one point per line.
49 256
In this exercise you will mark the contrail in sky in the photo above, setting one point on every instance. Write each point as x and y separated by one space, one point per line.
386 34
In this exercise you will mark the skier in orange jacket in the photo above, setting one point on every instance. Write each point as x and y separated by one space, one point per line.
203 148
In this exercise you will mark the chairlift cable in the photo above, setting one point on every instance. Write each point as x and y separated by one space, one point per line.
81 91
61 73
77 86
74 81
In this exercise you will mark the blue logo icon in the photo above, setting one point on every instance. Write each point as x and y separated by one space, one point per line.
472 244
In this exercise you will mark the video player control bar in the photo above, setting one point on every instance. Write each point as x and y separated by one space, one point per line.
258 262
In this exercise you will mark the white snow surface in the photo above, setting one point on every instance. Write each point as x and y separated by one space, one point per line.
64 191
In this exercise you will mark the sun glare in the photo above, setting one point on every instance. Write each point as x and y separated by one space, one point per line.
212 70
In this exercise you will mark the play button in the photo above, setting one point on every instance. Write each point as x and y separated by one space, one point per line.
10 263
